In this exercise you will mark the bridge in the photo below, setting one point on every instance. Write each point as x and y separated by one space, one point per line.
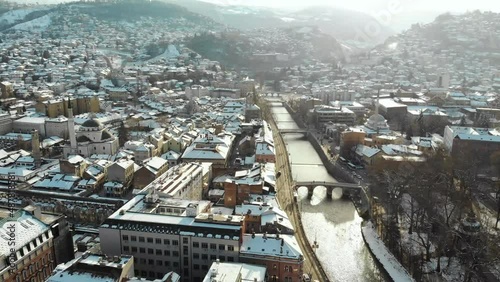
347 188
297 130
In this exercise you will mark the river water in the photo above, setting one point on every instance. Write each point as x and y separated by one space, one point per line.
334 224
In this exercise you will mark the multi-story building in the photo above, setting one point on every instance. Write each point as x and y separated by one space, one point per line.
122 171
235 272
184 181
280 254
41 241
151 170
324 114
165 234
96 267
482 142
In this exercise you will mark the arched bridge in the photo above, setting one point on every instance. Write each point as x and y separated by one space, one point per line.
297 130
347 188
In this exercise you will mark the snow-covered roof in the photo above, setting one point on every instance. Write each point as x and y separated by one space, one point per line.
285 246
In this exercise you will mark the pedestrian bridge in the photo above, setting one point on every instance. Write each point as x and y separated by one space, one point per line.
347 188
297 130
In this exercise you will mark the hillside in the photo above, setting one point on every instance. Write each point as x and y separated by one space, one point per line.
340 23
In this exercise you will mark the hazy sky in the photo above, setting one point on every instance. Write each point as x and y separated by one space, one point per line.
373 6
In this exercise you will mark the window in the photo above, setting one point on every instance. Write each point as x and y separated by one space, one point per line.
159 262
222 247
204 257
144 273
286 270
275 266
126 249
175 242
222 258
230 248
213 246
186 261
150 240
141 239
166 242
167 263
196 256
185 250
184 240
213 257
158 252
142 250
204 245
125 237
134 249
167 253
150 251
196 266
133 238
176 264
151 274
196 245
151 261
143 261
175 253
230 259
204 267
158 241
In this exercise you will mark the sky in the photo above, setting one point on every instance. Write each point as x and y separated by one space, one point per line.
372 6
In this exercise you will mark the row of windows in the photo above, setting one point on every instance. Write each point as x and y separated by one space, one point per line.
222 247
151 240
150 251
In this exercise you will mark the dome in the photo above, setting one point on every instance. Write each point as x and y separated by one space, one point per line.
91 123
377 121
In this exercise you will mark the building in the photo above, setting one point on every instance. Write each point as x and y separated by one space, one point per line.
93 267
92 138
324 114
210 148
264 152
28 124
42 240
122 171
59 107
391 109
165 234
259 179
235 272
184 181
481 142
280 254
151 170
6 90
252 112
355 107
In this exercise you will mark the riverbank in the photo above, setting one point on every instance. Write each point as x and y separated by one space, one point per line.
390 264
285 197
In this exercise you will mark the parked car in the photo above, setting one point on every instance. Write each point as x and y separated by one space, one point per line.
306 277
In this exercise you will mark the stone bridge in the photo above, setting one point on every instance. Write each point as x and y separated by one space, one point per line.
347 188
297 130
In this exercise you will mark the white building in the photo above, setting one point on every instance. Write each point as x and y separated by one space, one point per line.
92 138
235 272
166 234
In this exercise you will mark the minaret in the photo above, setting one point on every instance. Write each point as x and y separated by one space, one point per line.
35 148
71 129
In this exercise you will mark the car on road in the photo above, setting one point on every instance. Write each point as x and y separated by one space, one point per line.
358 176
306 277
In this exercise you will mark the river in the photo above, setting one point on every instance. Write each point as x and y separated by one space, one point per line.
334 224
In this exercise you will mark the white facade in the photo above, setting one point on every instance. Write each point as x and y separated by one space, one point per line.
172 235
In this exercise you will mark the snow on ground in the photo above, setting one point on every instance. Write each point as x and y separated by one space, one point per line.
396 271
13 16
38 24
452 272
413 242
